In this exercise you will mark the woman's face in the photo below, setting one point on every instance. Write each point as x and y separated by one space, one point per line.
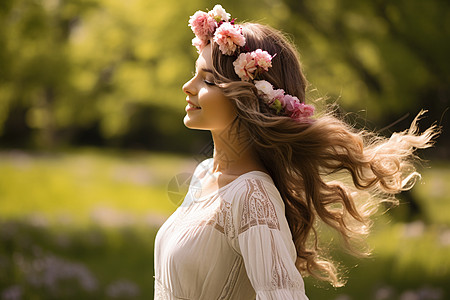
207 106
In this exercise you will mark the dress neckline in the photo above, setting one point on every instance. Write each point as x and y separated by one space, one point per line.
216 192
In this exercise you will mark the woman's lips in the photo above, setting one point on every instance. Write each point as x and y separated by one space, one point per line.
191 106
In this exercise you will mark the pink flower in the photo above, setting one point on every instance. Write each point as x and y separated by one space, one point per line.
244 66
199 44
291 103
263 59
228 37
278 94
302 112
219 14
249 65
308 110
203 25
284 103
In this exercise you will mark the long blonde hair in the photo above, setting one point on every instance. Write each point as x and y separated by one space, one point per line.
300 156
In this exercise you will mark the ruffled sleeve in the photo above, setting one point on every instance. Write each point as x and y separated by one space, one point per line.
265 243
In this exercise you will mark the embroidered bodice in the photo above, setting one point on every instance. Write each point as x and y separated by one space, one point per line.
232 244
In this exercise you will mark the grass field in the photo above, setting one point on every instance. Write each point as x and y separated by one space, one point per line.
81 225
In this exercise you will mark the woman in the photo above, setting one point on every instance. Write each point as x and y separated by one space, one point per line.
246 228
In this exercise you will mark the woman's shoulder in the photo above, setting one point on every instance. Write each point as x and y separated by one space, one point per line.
204 166
256 200
256 177
255 184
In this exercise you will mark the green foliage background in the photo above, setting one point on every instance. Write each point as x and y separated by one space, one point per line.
108 73
105 72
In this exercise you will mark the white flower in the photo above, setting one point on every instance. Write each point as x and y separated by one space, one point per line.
264 88
219 13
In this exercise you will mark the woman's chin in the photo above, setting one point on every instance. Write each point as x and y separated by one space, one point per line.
190 123
187 121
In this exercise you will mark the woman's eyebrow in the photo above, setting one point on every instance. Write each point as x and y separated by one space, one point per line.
203 69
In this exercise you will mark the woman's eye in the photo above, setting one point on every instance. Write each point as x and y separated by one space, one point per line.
209 82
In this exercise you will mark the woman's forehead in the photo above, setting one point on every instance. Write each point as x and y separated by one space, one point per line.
204 59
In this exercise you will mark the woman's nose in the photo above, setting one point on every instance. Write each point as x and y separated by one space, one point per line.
189 87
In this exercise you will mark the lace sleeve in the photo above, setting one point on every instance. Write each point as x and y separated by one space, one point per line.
269 265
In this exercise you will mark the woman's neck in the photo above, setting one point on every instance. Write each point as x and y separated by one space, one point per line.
234 153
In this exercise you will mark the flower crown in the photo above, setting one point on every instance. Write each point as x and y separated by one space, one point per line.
215 25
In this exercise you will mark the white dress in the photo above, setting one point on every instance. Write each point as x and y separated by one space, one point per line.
232 244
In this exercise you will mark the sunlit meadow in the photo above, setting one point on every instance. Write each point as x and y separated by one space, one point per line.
81 225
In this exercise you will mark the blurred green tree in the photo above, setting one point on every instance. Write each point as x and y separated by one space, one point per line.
110 72
384 57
